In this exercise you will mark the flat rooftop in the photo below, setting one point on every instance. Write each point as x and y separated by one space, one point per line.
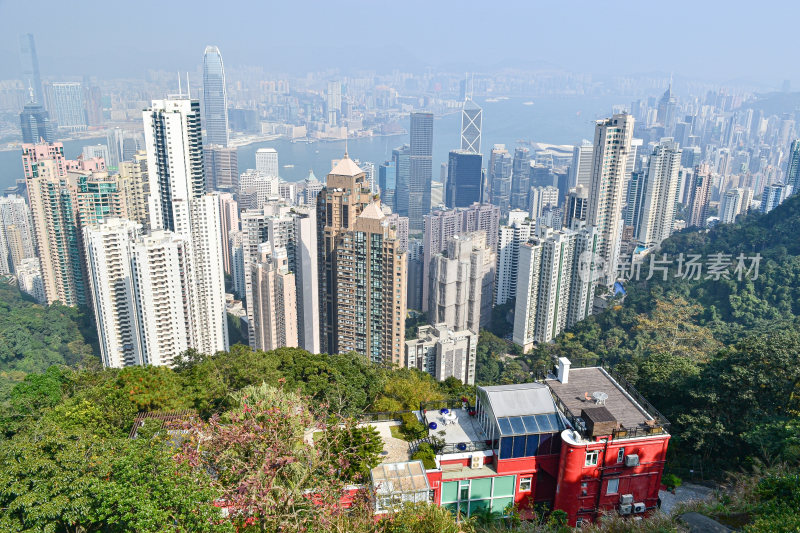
586 381
464 428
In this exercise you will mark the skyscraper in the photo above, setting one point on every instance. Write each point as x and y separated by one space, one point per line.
462 283
773 196
35 123
553 292
136 186
274 299
612 145
179 203
334 102
577 204
793 167
734 202
440 225
660 194
108 258
518 231
421 168
15 225
222 168
464 179
387 182
402 164
471 118
444 353
160 271
520 179
65 101
362 272
30 69
267 161
499 178
699 196
215 98
580 171
229 222
634 198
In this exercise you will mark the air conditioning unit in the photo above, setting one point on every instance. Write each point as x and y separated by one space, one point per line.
632 460
626 498
625 508
639 507
477 461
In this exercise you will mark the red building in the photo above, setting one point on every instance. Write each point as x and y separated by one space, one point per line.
584 442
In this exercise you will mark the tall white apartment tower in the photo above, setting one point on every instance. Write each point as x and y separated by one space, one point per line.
267 161
660 193
612 146
159 267
518 231
179 203
108 261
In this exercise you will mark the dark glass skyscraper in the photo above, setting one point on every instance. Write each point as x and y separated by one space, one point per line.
30 66
421 160
402 164
387 181
793 167
215 99
35 123
464 179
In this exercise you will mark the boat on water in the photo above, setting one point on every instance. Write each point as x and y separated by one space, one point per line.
527 103
288 166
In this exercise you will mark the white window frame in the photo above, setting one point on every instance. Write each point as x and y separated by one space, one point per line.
620 455
592 458
615 483
527 480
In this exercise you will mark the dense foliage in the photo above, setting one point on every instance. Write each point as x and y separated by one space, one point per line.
34 337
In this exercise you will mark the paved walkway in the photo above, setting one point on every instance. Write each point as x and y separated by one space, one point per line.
687 492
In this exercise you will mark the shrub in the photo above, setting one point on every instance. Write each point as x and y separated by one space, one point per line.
412 428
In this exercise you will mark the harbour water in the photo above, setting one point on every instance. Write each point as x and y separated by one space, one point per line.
554 120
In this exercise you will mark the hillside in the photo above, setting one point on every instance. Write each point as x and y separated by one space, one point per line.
719 357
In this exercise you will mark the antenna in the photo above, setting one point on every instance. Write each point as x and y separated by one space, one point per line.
188 87
180 90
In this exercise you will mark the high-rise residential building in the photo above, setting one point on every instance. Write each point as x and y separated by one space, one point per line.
462 283
229 222
580 171
612 145
401 157
773 196
236 246
464 179
274 299
160 271
520 178
420 168
415 279
793 167
16 224
267 161
256 189
306 272
576 206
65 102
53 213
699 196
444 353
555 288
215 98
362 272
30 71
634 199
108 259
222 168
29 279
471 118
734 202
135 185
387 183
516 232
179 203
98 196
400 225
540 198
441 225
35 123
499 177
660 192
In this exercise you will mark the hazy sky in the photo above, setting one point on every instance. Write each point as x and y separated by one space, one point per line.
717 41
